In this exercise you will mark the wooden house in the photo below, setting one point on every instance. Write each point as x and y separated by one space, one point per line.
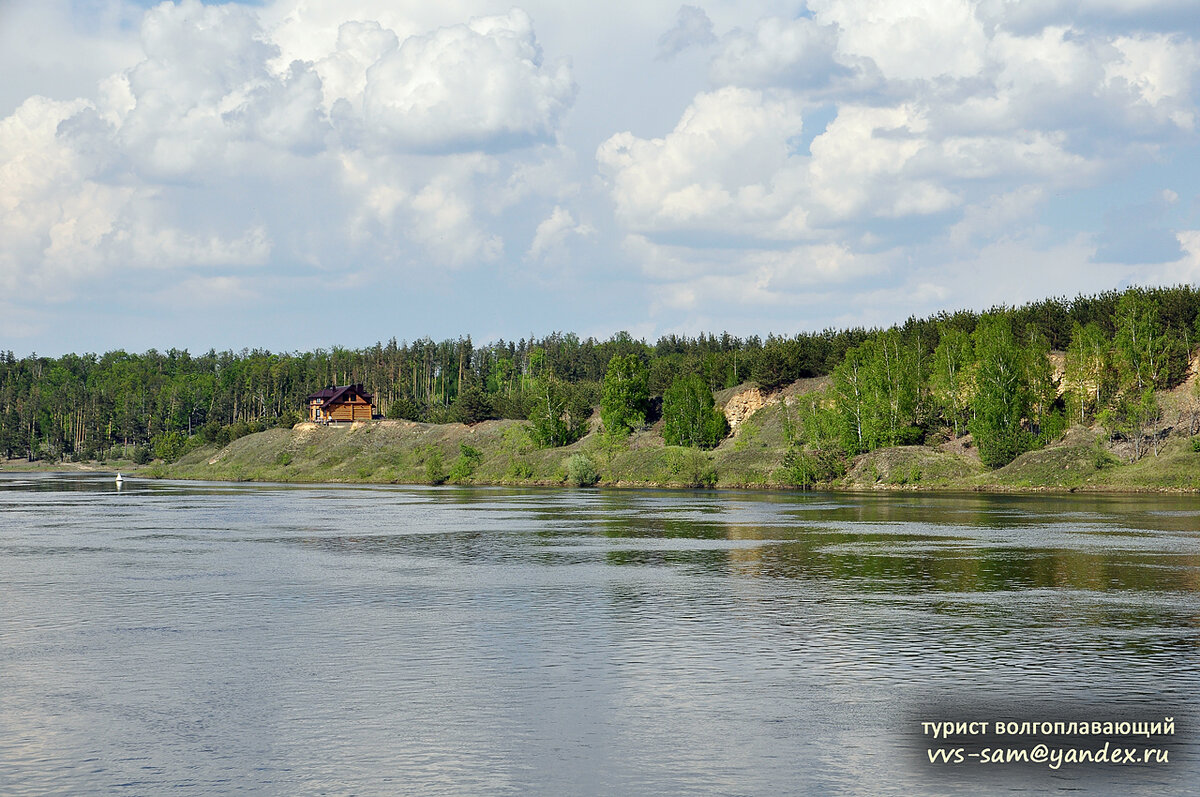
340 403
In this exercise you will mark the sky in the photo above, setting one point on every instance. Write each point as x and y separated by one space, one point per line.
294 174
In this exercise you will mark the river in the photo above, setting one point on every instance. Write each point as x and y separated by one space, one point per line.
188 638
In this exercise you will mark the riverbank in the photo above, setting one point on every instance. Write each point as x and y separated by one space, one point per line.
501 453
753 456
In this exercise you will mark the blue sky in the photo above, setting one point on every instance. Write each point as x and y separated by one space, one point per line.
300 173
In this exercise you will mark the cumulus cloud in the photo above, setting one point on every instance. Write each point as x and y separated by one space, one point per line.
954 112
855 142
413 142
205 91
915 40
725 167
481 86
779 52
800 284
63 223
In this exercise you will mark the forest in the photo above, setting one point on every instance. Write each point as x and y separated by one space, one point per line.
926 380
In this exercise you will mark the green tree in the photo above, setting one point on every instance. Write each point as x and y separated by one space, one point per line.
689 415
770 369
852 386
1046 421
625 398
559 414
1141 348
1141 344
1087 368
1002 397
951 378
895 371
1135 416
472 406
876 387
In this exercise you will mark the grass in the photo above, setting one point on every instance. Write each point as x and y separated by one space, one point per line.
911 467
500 452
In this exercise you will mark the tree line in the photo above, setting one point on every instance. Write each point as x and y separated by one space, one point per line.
944 375
993 376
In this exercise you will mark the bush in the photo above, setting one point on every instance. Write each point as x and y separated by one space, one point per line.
580 471
693 468
142 455
170 446
435 472
519 470
464 466
1196 444
404 409
473 406
805 468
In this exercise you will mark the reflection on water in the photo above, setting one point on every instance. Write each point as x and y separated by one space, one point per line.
372 640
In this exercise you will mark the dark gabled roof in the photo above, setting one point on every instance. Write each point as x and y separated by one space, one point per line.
335 393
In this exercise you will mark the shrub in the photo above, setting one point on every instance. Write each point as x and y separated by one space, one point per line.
464 466
580 471
473 406
435 472
404 409
805 468
170 446
519 470
693 468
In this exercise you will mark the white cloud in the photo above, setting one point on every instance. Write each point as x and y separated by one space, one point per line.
778 52
938 111
830 152
725 167
108 182
913 40
60 49
205 87
751 278
550 238
865 162
1158 71
359 46
477 86
63 225
1185 270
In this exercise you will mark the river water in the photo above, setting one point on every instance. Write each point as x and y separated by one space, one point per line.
186 638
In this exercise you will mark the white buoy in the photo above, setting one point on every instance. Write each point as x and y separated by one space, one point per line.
119 479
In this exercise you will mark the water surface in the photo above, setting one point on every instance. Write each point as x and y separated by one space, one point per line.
185 638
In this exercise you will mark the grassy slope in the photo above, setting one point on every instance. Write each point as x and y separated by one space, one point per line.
402 451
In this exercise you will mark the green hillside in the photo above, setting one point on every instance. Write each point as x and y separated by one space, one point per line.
753 456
